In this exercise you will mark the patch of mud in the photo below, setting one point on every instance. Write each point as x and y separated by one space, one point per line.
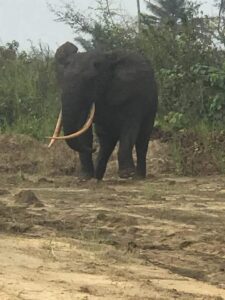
21 153
9 222
28 198
4 192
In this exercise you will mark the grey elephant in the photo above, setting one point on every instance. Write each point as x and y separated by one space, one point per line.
117 92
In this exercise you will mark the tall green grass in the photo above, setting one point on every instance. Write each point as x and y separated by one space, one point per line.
28 91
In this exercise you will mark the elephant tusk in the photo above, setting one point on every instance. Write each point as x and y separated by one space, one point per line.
85 127
58 128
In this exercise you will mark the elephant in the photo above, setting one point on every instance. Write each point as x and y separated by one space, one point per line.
120 90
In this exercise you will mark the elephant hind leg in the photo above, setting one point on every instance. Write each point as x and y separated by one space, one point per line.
125 156
142 148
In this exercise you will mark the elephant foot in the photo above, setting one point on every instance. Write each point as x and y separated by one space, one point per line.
139 177
83 176
126 173
98 177
140 172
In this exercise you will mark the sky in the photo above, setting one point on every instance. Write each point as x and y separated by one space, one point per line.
31 20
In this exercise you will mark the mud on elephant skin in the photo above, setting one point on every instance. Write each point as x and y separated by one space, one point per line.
121 86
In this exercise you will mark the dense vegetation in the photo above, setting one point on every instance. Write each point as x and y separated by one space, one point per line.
185 47
28 92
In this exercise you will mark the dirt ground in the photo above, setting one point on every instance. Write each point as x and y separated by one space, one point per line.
162 238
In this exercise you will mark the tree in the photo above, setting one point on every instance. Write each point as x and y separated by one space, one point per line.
102 28
221 6
171 12
139 15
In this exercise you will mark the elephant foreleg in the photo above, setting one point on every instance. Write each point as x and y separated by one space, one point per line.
87 168
106 148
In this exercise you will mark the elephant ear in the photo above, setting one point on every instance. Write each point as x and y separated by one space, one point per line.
65 53
124 73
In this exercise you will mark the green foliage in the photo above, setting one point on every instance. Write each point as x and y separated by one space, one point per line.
180 44
214 83
175 120
28 93
102 28
170 12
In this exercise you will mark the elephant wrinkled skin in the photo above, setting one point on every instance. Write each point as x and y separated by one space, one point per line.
122 86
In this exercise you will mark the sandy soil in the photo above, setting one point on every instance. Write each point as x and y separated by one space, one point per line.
162 238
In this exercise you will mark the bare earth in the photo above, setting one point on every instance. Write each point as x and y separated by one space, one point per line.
162 238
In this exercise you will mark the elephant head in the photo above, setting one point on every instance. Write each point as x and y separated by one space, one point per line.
63 57
80 77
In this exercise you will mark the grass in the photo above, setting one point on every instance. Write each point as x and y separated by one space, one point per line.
39 128
28 92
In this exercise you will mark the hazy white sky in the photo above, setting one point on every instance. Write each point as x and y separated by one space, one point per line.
24 20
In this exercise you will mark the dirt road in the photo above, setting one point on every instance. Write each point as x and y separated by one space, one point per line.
162 238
